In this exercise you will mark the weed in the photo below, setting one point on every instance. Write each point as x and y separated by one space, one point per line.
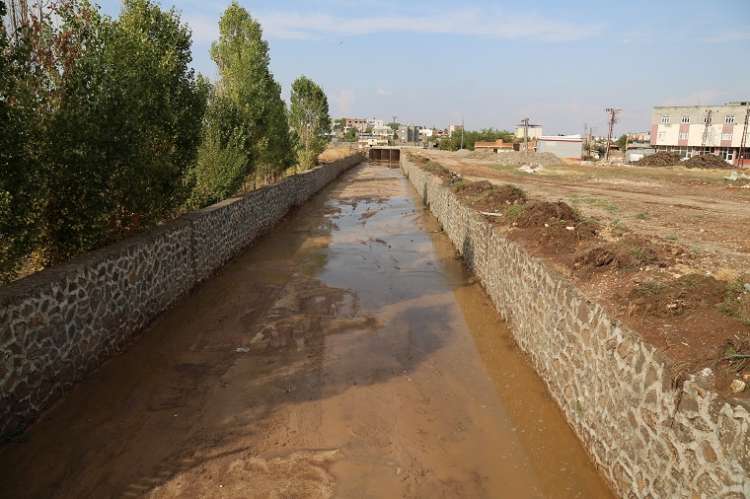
514 211
671 237
642 216
736 302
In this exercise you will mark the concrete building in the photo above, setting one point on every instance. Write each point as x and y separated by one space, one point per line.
693 130
496 146
426 133
359 124
563 146
375 123
383 132
638 150
535 131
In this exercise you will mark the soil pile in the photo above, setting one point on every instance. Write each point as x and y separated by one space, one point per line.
544 213
706 161
484 196
629 253
685 294
661 158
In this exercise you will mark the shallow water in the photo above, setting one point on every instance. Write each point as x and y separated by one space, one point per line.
347 354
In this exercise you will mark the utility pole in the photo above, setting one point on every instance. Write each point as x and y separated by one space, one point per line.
612 119
743 142
706 127
525 123
462 132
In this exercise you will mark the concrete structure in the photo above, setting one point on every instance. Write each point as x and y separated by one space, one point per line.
693 130
535 131
563 146
639 137
359 124
637 151
383 132
496 146
426 133
650 438
59 324
454 129
375 123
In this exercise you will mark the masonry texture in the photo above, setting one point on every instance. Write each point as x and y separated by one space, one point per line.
58 324
647 437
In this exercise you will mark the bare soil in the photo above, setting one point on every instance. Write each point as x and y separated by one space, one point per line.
621 231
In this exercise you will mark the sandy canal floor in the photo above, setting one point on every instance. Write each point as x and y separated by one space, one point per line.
347 354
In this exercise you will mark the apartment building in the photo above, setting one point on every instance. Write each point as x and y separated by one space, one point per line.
693 130
359 124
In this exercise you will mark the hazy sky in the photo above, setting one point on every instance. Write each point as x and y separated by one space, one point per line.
558 62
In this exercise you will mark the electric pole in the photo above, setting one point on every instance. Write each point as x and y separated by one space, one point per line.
525 123
743 141
462 132
612 119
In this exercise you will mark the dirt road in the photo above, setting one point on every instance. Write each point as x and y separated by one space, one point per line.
347 354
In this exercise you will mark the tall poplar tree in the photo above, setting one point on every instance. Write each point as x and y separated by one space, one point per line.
255 142
309 120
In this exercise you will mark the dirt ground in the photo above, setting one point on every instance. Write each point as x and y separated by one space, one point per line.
347 354
654 227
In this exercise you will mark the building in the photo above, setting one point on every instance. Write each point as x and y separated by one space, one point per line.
496 146
375 123
639 137
563 146
359 124
692 130
638 150
535 131
426 133
383 132
454 129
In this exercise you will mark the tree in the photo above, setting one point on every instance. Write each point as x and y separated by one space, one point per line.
243 60
125 124
309 120
622 142
21 188
350 135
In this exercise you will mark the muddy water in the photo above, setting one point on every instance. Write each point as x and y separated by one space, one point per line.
347 354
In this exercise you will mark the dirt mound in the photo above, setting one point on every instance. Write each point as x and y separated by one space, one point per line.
706 161
686 293
629 253
544 213
661 158
487 197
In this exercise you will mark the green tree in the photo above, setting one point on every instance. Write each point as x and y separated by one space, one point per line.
622 142
243 60
125 126
309 120
21 187
350 135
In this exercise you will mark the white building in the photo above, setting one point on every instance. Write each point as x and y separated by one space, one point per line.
693 130
563 146
535 131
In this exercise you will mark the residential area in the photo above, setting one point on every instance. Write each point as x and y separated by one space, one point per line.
686 131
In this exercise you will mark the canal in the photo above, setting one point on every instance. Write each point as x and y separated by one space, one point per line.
346 354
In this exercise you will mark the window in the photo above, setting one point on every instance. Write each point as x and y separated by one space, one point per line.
665 119
729 119
683 136
707 119
726 154
726 136
685 119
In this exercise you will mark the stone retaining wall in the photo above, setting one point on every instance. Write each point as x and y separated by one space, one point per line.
648 438
60 323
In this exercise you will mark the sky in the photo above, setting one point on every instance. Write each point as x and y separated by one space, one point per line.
492 63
